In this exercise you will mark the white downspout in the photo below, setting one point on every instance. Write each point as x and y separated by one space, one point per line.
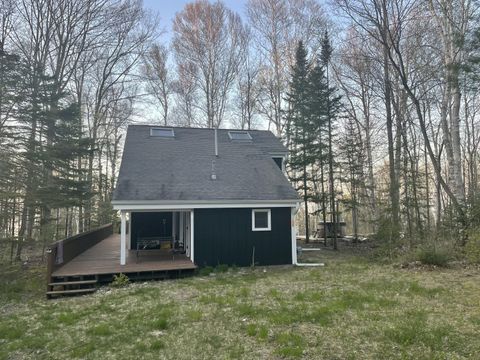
294 244
294 236
191 236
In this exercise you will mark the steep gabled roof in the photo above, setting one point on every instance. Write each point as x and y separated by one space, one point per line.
180 168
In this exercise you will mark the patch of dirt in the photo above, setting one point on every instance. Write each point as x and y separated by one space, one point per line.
345 249
417 265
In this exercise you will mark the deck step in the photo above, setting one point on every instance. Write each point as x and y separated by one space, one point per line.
67 292
79 282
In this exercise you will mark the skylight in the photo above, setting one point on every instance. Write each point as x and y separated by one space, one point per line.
240 135
162 132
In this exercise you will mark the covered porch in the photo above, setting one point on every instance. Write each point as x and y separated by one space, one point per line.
153 234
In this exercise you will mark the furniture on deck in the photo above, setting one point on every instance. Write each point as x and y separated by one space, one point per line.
162 242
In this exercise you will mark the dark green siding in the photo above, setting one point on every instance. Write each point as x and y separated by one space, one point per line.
148 224
225 236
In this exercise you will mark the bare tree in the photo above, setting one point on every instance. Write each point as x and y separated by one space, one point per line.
248 90
7 9
185 87
270 21
130 32
211 38
277 26
157 76
391 24
355 74
452 20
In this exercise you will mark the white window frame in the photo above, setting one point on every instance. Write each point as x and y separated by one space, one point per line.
269 219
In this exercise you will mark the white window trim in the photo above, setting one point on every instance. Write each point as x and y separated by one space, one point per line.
269 219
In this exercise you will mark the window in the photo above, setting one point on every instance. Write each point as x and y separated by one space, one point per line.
162 132
261 220
279 162
239 135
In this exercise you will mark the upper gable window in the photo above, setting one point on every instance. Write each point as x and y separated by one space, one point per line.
279 161
162 132
239 135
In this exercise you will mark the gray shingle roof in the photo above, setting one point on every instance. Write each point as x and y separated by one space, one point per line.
161 169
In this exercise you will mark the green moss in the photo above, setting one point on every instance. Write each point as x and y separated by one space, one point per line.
251 330
160 323
262 333
11 330
157 345
194 315
82 350
100 330
69 318
417 289
290 345
245 309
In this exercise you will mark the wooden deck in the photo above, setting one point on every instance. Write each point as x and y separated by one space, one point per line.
104 258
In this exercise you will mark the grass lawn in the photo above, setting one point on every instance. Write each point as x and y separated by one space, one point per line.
349 309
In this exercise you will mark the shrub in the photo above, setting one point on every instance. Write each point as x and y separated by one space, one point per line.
160 323
221 268
432 256
251 330
472 247
234 268
205 271
120 280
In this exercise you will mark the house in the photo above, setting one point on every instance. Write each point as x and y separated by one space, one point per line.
218 196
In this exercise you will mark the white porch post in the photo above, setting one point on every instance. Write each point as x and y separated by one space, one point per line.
181 229
174 226
191 236
294 237
129 240
123 242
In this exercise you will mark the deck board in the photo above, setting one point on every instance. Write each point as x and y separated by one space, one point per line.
104 258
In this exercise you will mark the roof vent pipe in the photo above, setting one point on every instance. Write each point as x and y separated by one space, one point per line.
216 143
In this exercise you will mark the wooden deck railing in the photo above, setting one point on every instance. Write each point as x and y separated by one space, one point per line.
62 251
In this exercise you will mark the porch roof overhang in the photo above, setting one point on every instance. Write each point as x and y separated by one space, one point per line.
199 204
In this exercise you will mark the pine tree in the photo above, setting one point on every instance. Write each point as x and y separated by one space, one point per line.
65 187
12 175
318 110
332 108
352 164
300 131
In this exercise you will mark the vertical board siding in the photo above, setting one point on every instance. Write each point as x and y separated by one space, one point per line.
225 236
149 224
